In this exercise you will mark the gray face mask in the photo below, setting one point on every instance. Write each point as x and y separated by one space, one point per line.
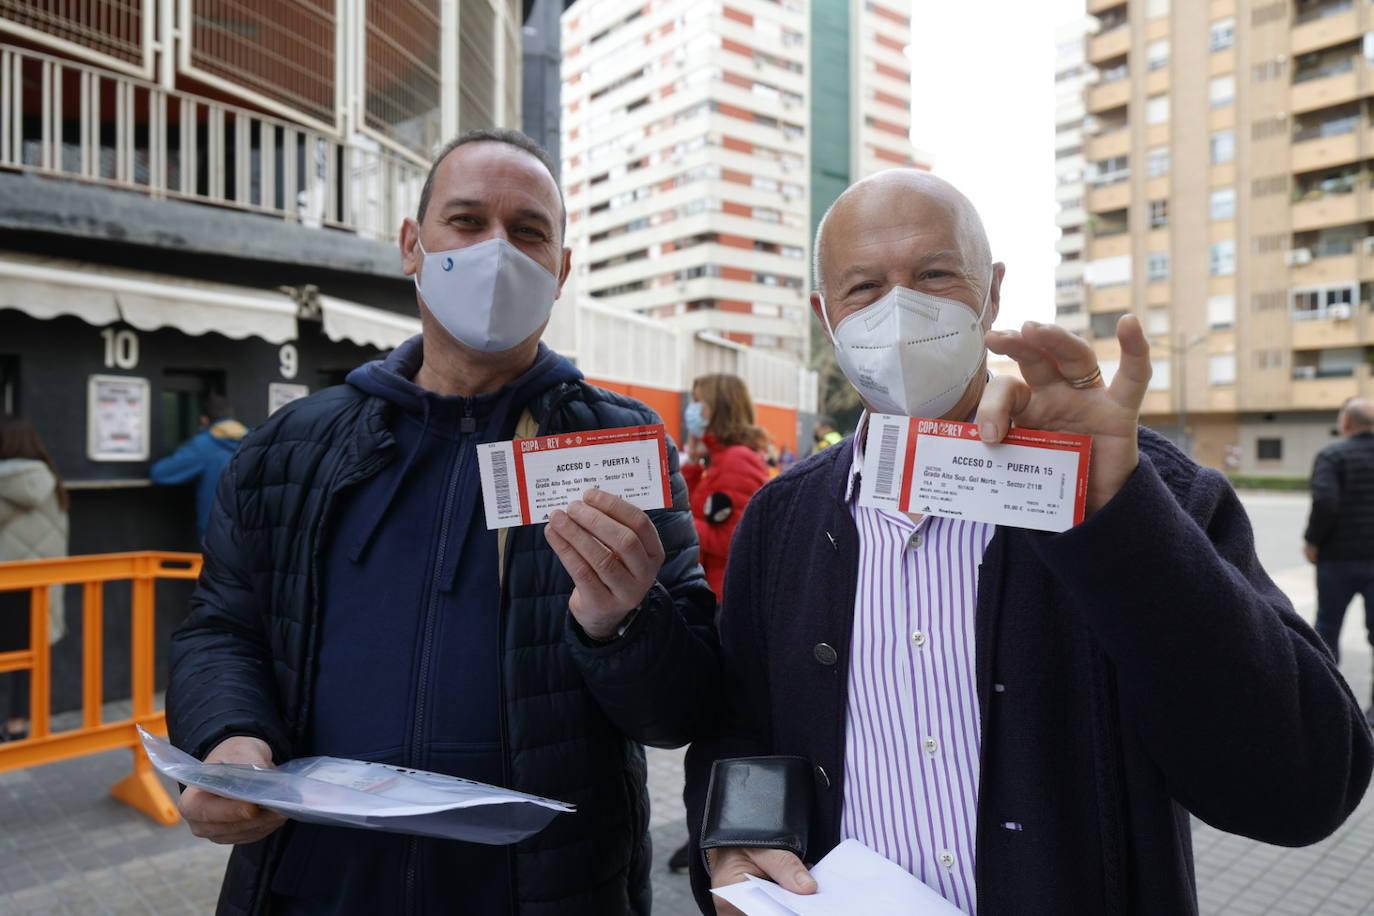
491 295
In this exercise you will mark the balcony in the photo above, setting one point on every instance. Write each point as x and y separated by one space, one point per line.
1323 393
1332 144
1109 44
1109 298
1331 85
1333 24
1321 212
1069 244
1109 246
1321 333
1106 96
1097 6
1111 197
1109 144
1323 270
185 146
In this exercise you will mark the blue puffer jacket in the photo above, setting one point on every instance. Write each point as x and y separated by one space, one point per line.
574 715
201 460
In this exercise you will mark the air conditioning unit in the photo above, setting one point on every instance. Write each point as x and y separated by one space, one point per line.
1304 372
1298 256
1340 311
1368 244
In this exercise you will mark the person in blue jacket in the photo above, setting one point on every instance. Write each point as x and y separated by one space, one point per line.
203 457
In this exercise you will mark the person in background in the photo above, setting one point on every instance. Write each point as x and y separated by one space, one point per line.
33 526
825 434
1339 539
727 468
203 457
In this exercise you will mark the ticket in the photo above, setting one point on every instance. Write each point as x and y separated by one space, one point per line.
524 481
1032 479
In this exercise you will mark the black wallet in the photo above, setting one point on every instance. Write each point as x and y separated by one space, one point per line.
758 801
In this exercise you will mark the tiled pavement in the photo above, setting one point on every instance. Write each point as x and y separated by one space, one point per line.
67 847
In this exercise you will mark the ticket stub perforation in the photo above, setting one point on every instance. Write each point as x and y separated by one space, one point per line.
1032 479
524 481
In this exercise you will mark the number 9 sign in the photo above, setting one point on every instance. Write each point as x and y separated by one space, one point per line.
290 360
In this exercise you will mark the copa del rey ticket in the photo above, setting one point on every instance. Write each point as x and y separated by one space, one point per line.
1032 479
524 481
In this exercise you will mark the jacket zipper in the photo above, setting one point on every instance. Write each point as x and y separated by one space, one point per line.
413 752
506 774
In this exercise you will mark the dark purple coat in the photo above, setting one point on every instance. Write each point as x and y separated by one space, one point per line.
1131 670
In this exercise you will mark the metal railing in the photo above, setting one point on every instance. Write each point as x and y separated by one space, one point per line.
80 122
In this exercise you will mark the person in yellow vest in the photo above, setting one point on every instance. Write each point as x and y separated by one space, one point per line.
825 434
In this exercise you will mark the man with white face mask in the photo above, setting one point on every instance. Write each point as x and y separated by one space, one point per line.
354 604
1022 720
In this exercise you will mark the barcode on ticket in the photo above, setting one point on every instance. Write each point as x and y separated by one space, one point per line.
500 475
887 462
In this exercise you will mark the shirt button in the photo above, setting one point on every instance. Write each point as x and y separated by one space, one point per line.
825 653
916 539
947 859
919 638
930 744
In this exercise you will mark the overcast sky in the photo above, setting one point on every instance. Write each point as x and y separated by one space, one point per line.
983 108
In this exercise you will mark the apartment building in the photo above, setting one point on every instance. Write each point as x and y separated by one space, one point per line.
1228 158
1071 72
691 136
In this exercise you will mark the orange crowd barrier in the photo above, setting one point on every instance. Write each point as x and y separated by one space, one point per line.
142 569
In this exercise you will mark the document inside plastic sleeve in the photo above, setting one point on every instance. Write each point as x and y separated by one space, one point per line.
373 796
1032 479
524 481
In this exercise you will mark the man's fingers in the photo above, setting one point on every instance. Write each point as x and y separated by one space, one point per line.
632 517
1003 398
1037 366
784 869
583 574
622 540
1074 355
208 808
1133 374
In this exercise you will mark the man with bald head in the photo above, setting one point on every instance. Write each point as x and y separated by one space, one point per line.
1340 530
354 604
1022 720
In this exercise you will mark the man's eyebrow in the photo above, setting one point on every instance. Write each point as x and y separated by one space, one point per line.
526 212
934 257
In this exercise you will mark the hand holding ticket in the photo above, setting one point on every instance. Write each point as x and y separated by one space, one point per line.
1032 479
592 488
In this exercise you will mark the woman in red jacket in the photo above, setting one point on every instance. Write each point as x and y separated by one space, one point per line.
725 467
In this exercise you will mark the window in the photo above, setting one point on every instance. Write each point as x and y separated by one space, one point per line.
1221 312
1223 263
1157 267
1320 302
1157 109
1104 272
1222 34
1156 8
1157 320
1109 171
1221 369
1159 214
1223 146
1156 161
1103 326
1222 90
1269 449
1159 377
184 392
1157 54
1223 203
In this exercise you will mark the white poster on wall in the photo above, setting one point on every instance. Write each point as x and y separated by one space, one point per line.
117 418
279 394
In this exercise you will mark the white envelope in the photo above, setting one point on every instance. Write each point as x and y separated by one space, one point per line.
853 880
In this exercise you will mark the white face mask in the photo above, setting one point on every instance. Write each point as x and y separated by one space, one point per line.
910 353
490 296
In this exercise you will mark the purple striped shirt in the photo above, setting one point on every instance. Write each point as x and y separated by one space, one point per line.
912 735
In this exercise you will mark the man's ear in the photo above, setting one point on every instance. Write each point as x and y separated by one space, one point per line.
999 270
411 258
563 272
818 306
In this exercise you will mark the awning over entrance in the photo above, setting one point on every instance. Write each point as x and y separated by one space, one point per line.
364 325
101 295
